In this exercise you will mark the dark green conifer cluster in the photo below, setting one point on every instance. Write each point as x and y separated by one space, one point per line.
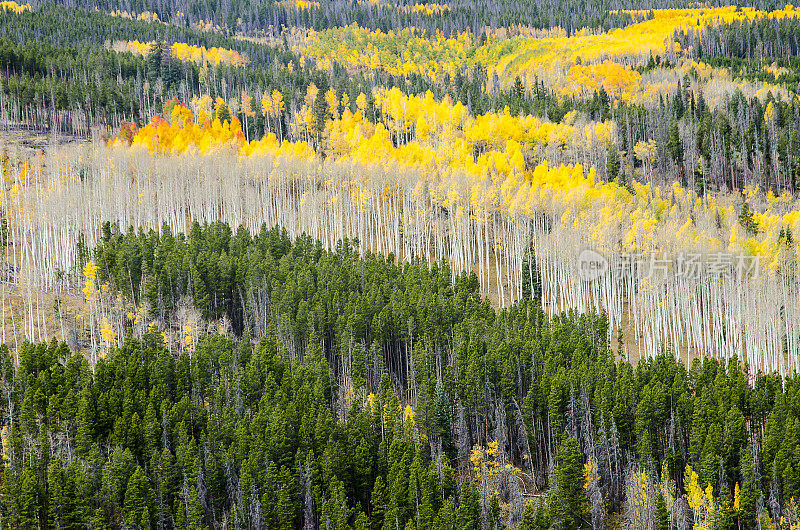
303 420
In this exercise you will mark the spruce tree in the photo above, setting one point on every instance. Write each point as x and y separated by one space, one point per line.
750 490
662 515
571 500
27 503
287 500
137 511
528 517
378 502
468 515
747 220
613 164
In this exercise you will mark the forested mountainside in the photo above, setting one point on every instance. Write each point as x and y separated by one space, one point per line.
350 265
374 396
722 120
265 17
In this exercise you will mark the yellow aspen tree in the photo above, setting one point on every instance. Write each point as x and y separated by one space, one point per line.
107 337
311 95
247 110
332 102
90 292
277 110
201 107
361 104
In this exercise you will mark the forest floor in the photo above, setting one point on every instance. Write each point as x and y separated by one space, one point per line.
16 297
26 311
19 140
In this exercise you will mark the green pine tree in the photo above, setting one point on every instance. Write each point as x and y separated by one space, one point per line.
571 501
288 504
747 220
468 515
613 164
27 502
749 492
662 515
137 511
378 502
196 519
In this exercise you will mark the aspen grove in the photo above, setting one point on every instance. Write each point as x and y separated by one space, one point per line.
392 265
493 214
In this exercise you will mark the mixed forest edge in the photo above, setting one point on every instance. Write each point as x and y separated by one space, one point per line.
362 393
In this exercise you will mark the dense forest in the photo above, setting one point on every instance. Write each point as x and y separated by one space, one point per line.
307 420
372 265
269 16
61 74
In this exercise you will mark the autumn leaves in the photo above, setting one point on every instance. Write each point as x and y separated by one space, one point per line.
187 52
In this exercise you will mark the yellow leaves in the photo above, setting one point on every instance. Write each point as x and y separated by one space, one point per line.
90 270
187 341
333 103
734 235
637 499
361 103
754 248
272 104
266 105
212 55
221 108
484 460
702 501
751 191
14 7
476 457
89 288
590 473
134 46
182 132
645 151
201 106
610 54
181 115
4 439
685 228
187 52
428 9
247 105
769 113
399 53
490 164
422 128
409 422
277 104
107 333
578 65
616 79
311 95
299 5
